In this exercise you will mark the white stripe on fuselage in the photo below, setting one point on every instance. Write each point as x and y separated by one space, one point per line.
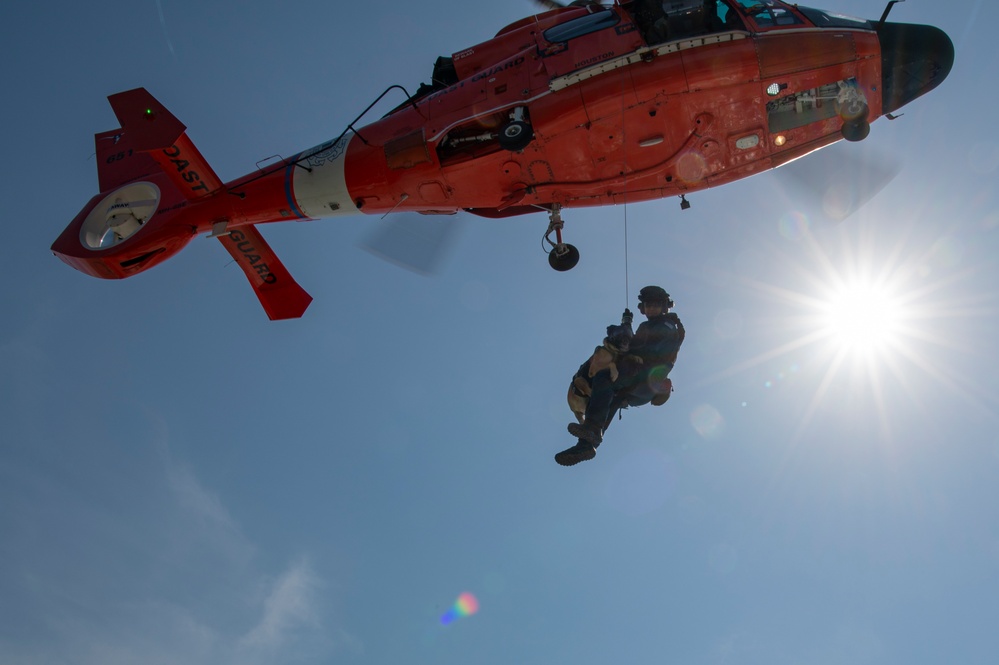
319 185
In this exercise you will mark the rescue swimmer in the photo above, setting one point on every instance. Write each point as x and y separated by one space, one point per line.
626 370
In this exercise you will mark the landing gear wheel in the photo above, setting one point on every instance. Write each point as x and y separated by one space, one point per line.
516 136
563 257
856 130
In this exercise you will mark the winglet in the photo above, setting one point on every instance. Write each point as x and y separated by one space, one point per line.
276 289
118 162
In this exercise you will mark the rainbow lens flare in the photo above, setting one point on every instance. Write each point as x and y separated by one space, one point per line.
466 605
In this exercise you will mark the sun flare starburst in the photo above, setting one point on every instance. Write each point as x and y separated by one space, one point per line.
863 323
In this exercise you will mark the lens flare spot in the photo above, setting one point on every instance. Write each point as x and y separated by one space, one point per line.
465 606
945 254
782 374
839 199
692 167
793 225
707 421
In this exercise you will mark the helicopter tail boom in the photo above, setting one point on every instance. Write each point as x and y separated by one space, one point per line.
150 176
157 193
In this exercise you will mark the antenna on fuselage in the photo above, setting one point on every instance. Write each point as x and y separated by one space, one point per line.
884 17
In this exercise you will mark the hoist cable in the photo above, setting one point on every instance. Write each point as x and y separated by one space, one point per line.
627 290
624 149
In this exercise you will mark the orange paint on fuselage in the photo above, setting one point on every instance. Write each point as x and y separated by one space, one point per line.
663 126
574 107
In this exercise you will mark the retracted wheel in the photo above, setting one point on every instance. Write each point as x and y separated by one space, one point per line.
516 135
563 257
854 110
856 130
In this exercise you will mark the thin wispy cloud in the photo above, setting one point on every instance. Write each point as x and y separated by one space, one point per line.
289 607
184 587
166 35
192 496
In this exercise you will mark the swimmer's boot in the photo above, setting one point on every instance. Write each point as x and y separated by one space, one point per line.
586 432
580 452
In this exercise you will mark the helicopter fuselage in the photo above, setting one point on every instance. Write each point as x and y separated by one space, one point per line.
579 106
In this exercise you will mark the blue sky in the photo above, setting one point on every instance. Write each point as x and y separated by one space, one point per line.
182 481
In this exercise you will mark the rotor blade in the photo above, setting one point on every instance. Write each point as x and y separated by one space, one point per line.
415 242
833 183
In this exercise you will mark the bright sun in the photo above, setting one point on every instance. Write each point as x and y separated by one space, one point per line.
863 317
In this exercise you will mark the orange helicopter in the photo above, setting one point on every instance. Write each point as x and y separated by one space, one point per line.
582 105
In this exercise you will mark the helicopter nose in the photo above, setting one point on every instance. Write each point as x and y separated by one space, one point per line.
914 60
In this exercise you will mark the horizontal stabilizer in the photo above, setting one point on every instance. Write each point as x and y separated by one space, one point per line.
148 127
276 289
149 124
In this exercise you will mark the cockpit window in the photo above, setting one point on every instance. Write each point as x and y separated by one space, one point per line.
769 13
583 25
726 18
824 19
